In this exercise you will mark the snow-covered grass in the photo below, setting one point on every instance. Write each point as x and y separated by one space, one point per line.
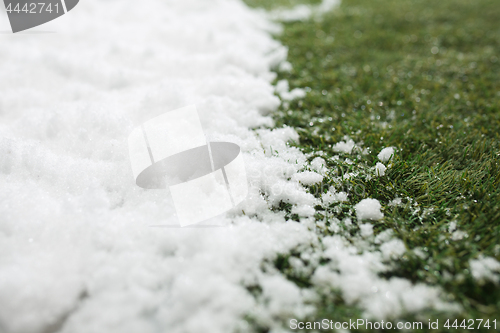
402 105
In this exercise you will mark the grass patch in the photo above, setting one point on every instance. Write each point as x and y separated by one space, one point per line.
266 4
424 77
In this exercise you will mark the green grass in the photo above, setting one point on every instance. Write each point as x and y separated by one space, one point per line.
422 76
266 4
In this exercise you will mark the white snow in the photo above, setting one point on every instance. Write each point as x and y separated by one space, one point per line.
344 146
327 6
485 269
356 277
458 235
386 154
395 202
366 229
284 298
282 88
303 210
332 196
384 236
308 177
303 12
452 227
296 93
369 209
286 67
298 13
319 165
76 245
380 169
393 249
455 233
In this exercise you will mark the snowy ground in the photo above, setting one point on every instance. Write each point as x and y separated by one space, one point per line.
77 253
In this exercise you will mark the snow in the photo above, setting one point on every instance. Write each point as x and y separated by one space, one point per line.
83 256
303 210
356 276
296 93
303 12
319 165
308 177
285 297
384 236
332 196
282 88
485 269
395 202
380 169
77 248
286 67
452 227
386 154
344 146
393 249
327 6
455 233
459 235
298 13
369 209
366 229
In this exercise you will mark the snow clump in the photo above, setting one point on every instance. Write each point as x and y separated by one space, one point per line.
386 154
332 196
380 169
366 230
344 146
393 249
308 178
485 269
369 209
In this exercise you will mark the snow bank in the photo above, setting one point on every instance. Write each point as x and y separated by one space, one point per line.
77 249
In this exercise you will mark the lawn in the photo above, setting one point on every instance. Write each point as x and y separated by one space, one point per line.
424 77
